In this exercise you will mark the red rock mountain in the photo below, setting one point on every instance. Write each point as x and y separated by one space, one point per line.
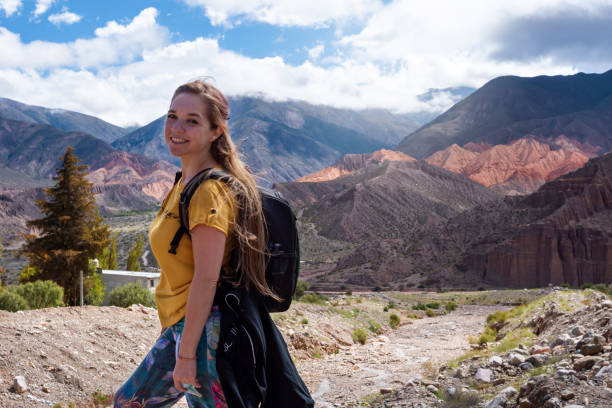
560 234
353 162
518 168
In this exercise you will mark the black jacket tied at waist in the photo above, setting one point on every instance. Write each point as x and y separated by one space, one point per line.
253 362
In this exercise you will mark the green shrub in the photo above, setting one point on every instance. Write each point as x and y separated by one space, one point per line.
359 336
433 305
11 301
304 321
314 298
300 289
394 321
430 313
377 289
419 306
27 274
41 294
374 327
93 286
488 336
460 399
450 306
497 319
392 305
385 309
132 293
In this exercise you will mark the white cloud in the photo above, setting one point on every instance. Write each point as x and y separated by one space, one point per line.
10 7
112 44
316 51
42 6
126 73
285 12
65 17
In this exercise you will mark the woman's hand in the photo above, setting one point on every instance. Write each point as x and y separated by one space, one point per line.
185 373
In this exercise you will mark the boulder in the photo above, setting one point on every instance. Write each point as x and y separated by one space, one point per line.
515 359
484 375
591 349
538 359
526 366
19 384
495 361
577 331
562 340
586 363
540 350
501 399
432 389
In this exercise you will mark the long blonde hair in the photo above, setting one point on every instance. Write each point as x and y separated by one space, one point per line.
249 227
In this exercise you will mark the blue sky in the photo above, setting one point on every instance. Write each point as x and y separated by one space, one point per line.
120 60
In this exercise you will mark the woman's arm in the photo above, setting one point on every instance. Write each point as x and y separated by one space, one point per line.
208 246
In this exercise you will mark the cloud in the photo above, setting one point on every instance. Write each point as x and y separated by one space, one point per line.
316 51
65 17
285 13
113 44
126 73
42 6
10 7
446 43
560 34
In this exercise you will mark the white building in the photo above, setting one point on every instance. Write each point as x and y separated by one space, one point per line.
112 279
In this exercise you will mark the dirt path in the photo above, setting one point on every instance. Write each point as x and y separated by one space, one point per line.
391 360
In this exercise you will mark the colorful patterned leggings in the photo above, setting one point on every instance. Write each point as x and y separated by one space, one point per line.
151 385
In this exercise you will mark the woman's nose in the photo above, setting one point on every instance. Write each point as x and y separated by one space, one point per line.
177 125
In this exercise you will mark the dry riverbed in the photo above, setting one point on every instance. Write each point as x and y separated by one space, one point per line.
79 355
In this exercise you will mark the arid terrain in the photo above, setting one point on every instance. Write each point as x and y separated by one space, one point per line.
80 355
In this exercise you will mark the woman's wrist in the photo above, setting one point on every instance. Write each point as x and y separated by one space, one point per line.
186 357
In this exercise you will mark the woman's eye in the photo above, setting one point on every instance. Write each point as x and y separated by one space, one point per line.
171 116
193 121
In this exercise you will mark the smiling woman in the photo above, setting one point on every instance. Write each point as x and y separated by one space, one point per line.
225 245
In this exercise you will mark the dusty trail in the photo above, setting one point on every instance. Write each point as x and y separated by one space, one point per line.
391 360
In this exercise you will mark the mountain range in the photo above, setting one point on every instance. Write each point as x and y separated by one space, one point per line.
282 141
415 224
60 118
508 108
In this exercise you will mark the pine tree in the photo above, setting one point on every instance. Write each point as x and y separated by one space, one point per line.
70 232
136 250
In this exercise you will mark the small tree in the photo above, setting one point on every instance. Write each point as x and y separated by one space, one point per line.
112 253
93 287
136 251
71 230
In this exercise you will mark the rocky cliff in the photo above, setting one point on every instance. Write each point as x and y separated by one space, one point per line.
520 167
350 163
567 240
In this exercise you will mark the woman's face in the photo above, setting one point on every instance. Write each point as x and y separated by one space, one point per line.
187 131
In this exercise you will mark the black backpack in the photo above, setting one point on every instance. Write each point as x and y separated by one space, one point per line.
283 252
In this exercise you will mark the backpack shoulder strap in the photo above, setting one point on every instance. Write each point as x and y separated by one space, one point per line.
185 199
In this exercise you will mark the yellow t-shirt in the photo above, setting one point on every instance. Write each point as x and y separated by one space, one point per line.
211 205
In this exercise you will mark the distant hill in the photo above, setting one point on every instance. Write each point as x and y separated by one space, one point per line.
62 119
382 208
31 153
351 163
520 167
508 108
286 140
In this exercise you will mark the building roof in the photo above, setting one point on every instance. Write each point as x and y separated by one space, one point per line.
146 275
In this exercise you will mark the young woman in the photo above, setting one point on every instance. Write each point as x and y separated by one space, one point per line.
220 219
